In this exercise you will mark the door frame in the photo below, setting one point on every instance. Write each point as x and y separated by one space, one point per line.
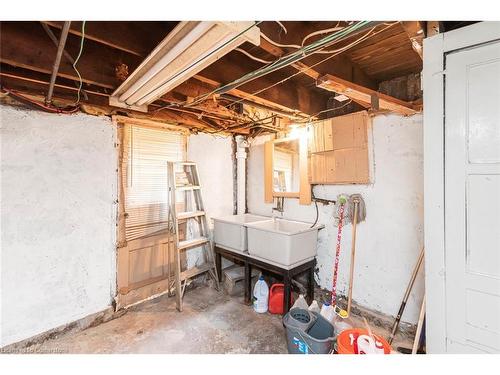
435 50
126 293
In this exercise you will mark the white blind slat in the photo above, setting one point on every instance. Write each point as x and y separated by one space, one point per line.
146 201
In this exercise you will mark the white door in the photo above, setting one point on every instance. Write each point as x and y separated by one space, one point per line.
472 199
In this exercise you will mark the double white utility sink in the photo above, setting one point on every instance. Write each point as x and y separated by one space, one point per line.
279 241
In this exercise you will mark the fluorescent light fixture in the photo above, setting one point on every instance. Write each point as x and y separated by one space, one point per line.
188 49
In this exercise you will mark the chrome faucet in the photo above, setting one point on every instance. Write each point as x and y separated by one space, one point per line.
280 202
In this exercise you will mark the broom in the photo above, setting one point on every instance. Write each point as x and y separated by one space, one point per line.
356 213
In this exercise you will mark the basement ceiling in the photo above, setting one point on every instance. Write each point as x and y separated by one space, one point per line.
112 50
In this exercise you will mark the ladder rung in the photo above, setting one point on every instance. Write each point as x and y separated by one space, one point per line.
195 271
185 163
192 243
190 214
187 187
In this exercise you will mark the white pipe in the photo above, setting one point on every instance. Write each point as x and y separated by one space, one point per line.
241 155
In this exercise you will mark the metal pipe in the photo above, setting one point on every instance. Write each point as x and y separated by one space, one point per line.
65 53
57 61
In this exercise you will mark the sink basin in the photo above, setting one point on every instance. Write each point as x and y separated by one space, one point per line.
281 241
230 232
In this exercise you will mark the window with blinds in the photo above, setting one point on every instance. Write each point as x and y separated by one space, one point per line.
145 173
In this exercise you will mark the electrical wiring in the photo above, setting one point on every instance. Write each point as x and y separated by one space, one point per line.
285 60
317 214
306 69
324 111
333 54
279 44
76 62
282 26
39 105
336 50
252 56
340 50
319 32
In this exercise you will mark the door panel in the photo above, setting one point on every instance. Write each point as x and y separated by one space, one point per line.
484 111
472 199
483 201
145 261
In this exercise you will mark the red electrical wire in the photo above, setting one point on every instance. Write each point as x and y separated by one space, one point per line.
47 108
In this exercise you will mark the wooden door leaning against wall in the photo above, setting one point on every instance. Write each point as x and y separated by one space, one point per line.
144 245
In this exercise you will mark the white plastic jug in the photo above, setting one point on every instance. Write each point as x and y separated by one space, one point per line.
328 312
368 345
301 303
314 306
260 296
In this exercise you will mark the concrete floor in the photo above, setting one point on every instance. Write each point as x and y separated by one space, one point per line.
211 322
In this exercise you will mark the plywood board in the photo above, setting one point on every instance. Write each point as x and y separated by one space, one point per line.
349 131
328 135
318 175
344 156
346 166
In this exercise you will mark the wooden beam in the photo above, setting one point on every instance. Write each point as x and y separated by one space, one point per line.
98 104
289 94
101 32
250 98
22 41
415 32
138 38
312 72
358 92
432 28
300 66
342 66
26 45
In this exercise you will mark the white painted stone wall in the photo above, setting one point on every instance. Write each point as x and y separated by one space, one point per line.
213 156
58 187
389 241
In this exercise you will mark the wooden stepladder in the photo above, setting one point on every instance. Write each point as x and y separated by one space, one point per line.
183 178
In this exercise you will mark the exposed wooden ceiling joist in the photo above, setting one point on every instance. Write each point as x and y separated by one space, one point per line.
358 71
26 45
284 98
137 38
297 31
38 83
415 31
299 66
365 94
